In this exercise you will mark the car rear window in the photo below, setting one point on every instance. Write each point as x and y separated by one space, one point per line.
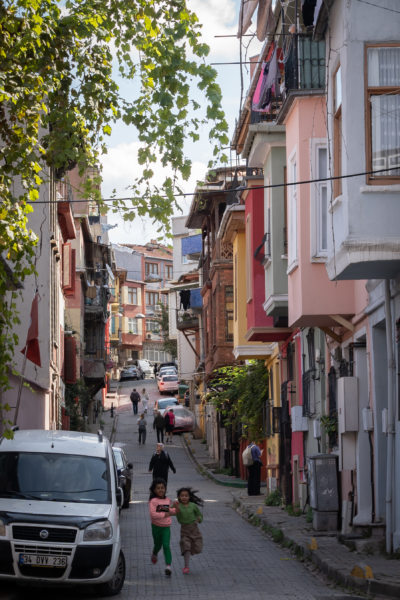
170 378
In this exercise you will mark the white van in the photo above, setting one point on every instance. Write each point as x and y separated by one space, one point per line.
146 368
59 510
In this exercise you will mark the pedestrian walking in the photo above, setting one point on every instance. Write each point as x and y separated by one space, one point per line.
155 368
161 509
189 515
159 426
142 428
254 470
169 419
135 399
145 400
160 463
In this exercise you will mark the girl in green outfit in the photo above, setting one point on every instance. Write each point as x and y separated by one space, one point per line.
189 515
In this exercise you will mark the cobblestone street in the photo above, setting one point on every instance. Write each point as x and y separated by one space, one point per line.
238 560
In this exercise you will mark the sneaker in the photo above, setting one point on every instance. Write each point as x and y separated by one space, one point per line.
185 570
153 559
168 570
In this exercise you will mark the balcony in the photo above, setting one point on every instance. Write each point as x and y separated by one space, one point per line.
187 319
96 301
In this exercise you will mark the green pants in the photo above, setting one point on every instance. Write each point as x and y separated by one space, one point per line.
161 537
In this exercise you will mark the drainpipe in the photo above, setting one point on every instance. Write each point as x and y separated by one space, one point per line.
390 431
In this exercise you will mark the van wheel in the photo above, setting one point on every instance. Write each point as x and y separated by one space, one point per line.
114 585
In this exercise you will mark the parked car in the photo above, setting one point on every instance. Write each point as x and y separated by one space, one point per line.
162 403
166 371
59 511
124 471
184 418
168 364
146 368
130 373
168 383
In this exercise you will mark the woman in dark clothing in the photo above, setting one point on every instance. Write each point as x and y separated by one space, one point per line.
159 426
253 484
160 463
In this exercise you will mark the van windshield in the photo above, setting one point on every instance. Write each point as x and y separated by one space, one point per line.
54 477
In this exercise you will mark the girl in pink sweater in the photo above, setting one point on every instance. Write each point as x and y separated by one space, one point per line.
161 509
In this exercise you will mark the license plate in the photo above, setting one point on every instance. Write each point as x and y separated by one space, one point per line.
42 560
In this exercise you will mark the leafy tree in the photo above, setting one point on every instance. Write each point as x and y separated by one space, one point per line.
59 100
239 393
169 345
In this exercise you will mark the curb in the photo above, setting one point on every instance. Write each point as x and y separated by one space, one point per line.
208 473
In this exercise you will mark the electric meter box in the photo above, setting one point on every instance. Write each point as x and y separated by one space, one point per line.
324 490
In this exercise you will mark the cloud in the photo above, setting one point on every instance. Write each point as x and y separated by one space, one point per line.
120 167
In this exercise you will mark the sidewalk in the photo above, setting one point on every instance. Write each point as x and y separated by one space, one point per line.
372 574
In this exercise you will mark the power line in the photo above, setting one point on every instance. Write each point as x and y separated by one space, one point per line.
237 189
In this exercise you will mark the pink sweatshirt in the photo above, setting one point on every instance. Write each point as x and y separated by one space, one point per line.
161 519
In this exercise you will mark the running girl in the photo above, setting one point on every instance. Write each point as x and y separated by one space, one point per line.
160 509
189 515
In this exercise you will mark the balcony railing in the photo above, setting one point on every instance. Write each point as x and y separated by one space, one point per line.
186 319
305 64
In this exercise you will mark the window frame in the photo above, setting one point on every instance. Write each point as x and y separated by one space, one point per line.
133 328
151 268
133 292
380 179
293 237
337 133
318 254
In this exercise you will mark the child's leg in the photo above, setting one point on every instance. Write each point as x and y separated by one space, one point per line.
186 558
166 537
157 538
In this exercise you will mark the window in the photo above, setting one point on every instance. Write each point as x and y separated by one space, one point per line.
292 216
132 326
319 200
337 132
169 271
132 296
383 112
153 326
152 298
151 268
113 327
228 313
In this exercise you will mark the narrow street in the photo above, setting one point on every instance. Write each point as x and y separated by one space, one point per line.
237 562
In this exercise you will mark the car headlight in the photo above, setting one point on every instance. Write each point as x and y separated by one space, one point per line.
98 532
2 528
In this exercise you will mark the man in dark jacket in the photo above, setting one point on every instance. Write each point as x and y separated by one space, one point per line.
159 426
160 463
135 399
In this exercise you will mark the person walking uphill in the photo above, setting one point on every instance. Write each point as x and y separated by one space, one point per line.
169 420
135 399
142 428
253 484
188 515
161 509
159 426
145 400
160 463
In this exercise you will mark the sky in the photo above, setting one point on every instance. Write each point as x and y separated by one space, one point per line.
219 17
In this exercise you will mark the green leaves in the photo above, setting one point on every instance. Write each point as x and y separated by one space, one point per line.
239 394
